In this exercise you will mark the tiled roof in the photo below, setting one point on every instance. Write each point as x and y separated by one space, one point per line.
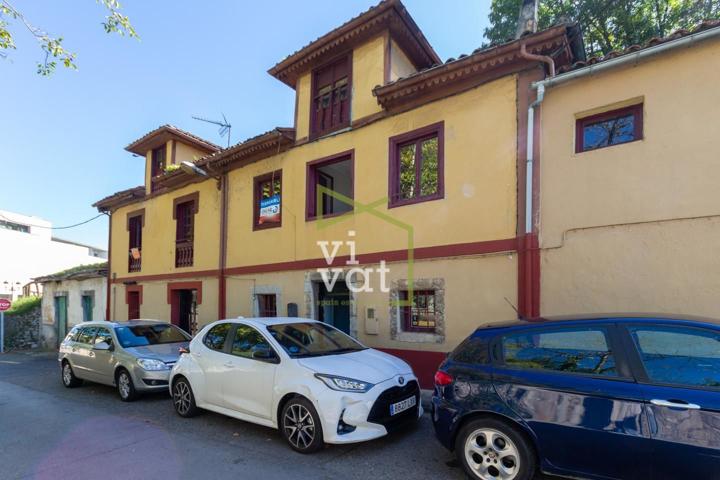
81 272
706 25
388 14
118 198
138 146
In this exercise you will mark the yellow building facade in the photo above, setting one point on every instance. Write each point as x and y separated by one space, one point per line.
633 225
399 180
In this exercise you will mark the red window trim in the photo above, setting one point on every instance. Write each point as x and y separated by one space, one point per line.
311 181
394 160
580 124
198 286
277 174
185 243
135 265
313 133
406 320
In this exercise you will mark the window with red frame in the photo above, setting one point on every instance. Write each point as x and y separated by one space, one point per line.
267 208
135 226
158 160
605 129
330 108
420 316
416 166
184 233
336 177
267 305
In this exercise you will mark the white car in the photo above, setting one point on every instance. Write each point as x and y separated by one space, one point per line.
311 381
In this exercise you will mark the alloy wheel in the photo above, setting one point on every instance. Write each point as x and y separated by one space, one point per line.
67 374
181 398
299 426
492 455
124 385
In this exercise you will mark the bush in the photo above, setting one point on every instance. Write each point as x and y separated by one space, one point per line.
24 305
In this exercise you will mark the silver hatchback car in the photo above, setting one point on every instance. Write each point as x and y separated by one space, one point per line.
134 356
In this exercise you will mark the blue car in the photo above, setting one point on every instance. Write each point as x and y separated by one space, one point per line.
624 397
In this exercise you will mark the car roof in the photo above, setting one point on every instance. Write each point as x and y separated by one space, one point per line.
602 317
267 321
129 323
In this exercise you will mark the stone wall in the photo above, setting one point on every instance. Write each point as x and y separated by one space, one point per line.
22 331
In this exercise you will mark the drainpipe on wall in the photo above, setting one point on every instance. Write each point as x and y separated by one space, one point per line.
222 291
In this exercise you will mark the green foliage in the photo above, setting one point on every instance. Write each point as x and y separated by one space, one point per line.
24 305
53 47
172 167
607 25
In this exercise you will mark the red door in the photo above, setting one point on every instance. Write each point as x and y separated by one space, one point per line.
133 305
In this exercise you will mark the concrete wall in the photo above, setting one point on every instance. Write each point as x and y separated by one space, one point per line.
634 227
73 289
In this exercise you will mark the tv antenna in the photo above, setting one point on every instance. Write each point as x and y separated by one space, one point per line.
225 127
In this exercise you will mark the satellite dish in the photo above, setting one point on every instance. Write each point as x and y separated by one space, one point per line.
192 169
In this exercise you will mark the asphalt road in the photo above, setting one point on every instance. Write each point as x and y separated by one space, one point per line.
50 432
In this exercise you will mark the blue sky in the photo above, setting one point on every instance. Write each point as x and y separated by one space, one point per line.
62 138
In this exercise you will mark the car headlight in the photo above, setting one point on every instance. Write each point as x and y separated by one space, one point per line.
343 384
151 364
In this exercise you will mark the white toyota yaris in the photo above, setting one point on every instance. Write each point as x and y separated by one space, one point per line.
311 381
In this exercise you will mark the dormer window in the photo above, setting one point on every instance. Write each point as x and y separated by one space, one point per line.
331 87
158 162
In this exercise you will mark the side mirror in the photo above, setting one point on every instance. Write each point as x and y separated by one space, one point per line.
184 350
103 346
264 354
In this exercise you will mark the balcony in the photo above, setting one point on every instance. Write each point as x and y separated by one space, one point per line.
134 260
184 254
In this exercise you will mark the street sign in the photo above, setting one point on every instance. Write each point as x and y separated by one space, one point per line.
4 304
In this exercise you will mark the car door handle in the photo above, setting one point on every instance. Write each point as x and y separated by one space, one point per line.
228 364
675 404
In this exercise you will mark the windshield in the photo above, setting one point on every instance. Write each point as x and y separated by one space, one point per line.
312 339
142 335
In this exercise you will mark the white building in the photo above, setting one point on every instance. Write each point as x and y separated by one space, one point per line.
28 249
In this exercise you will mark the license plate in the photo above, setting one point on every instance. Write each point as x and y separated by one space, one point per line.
403 405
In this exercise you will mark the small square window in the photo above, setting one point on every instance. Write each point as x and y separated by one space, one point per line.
267 207
267 305
335 176
421 316
416 166
623 125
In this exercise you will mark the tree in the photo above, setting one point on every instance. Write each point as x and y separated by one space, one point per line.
607 25
52 46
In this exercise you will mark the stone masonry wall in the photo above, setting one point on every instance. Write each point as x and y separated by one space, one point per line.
22 331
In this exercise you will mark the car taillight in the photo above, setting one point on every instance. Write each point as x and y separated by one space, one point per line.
443 379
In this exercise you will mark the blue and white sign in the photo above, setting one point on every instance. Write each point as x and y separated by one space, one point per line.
269 210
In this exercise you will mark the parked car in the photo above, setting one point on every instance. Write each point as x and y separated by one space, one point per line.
133 356
308 379
605 398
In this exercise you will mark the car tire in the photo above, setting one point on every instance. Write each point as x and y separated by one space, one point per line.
300 426
68 376
487 448
125 386
184 399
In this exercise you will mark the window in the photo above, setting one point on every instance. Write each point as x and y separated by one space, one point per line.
267 305
86 335
87 301
158 163
680 356
142 335
312 339
331 178
215 338
416 166
609 128
185 209
267 205
135 224
473 350
331 87
14 226
421 315
572 351
103 335
247 340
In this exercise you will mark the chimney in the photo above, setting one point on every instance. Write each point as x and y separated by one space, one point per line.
528 18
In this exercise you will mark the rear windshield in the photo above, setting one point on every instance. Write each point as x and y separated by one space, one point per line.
142 335
312 340
473 350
